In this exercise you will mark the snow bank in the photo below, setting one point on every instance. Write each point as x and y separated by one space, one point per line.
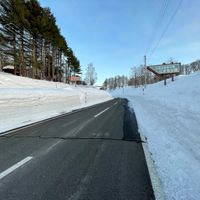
25 100
169 117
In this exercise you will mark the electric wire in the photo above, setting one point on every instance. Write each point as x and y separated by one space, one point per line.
167 26
162 13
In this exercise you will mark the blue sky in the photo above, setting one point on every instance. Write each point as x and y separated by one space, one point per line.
114 34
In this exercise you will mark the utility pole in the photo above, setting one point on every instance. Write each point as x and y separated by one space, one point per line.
145 73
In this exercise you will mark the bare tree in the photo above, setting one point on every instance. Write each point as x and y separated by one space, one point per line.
90 75
137 76
195 66
115 82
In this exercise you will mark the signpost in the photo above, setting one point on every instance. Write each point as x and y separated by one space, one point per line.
166 70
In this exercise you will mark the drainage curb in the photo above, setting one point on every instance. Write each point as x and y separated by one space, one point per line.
155 180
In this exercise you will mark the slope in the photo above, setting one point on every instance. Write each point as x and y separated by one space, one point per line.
25 100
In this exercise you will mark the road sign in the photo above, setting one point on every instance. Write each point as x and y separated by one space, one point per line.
165 69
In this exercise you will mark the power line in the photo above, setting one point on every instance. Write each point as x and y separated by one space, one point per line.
161 15
163 9
166 28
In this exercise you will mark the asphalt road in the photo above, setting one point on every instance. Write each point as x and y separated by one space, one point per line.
91 154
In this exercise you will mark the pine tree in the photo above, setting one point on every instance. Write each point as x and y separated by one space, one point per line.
31 38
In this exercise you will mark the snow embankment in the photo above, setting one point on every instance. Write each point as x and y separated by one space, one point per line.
169 117
25 100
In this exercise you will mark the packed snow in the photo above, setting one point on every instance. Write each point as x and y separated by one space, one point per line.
25 100
169 117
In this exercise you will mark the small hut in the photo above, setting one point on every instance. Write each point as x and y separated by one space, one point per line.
8 69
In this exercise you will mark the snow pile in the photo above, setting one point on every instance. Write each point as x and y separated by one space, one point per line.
169 117
25 100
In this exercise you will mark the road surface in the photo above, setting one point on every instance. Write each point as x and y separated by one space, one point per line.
95 153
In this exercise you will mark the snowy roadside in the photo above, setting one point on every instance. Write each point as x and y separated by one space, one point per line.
169 118
24 101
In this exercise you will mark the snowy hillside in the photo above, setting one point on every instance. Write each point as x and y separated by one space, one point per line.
25 100
169 117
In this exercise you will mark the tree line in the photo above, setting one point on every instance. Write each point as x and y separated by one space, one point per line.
137 76
31 41
192 67
115 82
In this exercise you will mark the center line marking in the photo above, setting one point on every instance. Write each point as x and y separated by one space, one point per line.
101 112
14 167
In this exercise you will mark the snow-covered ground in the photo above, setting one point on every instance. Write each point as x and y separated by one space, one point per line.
169 117
25 100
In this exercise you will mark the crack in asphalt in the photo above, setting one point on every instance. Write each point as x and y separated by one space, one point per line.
76 138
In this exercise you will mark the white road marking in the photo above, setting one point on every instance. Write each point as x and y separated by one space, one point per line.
107 134
68 123
52 146
14 167
101 112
